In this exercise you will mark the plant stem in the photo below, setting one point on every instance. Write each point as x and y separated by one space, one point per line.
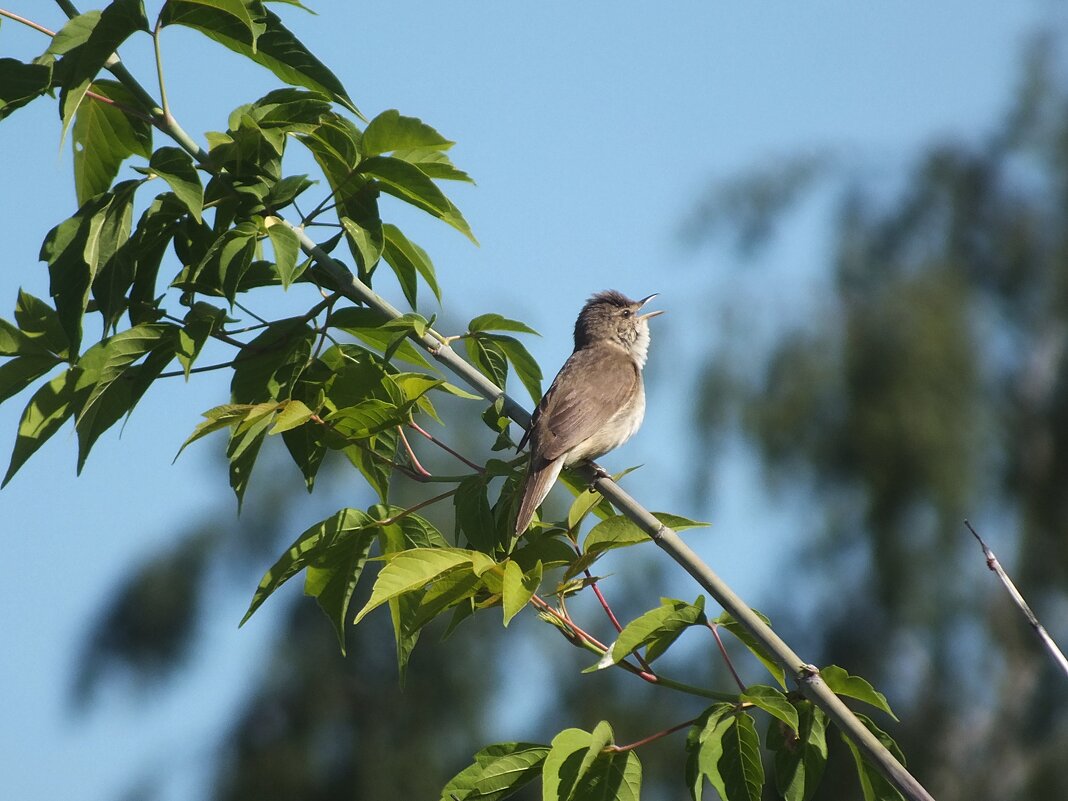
416 508
476 467
27 22
159 69
621 749
1018 599
726 658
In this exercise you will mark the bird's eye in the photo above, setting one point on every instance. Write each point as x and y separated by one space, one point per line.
626 312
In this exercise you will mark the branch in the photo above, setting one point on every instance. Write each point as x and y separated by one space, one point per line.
1043 636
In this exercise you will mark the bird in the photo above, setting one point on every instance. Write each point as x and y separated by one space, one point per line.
597 400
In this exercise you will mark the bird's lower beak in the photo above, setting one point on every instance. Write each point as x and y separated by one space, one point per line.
650 314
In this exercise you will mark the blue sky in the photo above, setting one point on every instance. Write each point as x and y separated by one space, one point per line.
591 129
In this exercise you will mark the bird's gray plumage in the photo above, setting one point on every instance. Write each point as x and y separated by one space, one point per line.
597 400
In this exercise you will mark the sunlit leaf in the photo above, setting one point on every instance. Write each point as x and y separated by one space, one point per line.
105 135
176 167
842 683
390 131
276 48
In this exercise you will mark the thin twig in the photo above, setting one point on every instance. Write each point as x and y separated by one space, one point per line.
205 369
620 749
1047 641
476 467
577 635
416 508
159 69
255 316
28 23
411 455
726 658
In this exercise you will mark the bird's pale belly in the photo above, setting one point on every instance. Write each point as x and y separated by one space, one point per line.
612 434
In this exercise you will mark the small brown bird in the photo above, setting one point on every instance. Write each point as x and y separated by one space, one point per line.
597 400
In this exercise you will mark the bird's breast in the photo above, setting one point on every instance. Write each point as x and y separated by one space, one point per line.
619 428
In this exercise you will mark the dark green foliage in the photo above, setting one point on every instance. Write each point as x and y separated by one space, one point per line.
928 388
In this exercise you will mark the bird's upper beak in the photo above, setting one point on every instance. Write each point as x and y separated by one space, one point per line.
649 315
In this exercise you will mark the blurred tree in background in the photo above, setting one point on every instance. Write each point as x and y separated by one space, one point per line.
931 385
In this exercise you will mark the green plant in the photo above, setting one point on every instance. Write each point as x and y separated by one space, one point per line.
347 372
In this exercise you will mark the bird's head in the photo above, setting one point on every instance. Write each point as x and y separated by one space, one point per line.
612 317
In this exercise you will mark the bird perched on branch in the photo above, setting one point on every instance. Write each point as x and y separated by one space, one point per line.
597 400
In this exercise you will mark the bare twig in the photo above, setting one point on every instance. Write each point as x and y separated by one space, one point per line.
411 455
714 628
445 447
621 749
994 565
27 22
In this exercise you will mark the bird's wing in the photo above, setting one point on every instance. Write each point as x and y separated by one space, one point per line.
591 387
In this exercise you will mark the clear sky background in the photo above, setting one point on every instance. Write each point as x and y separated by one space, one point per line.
591 129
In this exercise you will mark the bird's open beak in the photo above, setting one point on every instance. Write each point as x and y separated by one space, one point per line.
650 314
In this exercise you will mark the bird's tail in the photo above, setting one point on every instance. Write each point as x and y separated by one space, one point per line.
538 482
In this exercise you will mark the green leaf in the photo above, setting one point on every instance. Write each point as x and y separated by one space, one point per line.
616 776
474 518
585 500
43 416
120 397
488 358
497 772
333 551
305 444
620 532
842 683
749 641
40 325
519 588
663 624
772 701
873 784
122 350
560 770
407 259
86 42
368 326
201 321
240 10
286 250
269 366
72 263
800 756
723 747
525 366
293 413
434 164
176 167
20 372
495 322
225 416
276 48
391 131
409 183
414 569
20 83
105 135
366 418
225 262
366 241
246 439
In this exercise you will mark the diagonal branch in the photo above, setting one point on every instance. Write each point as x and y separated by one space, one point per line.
1018 599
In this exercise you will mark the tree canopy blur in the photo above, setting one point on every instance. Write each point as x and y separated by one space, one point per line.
930 385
